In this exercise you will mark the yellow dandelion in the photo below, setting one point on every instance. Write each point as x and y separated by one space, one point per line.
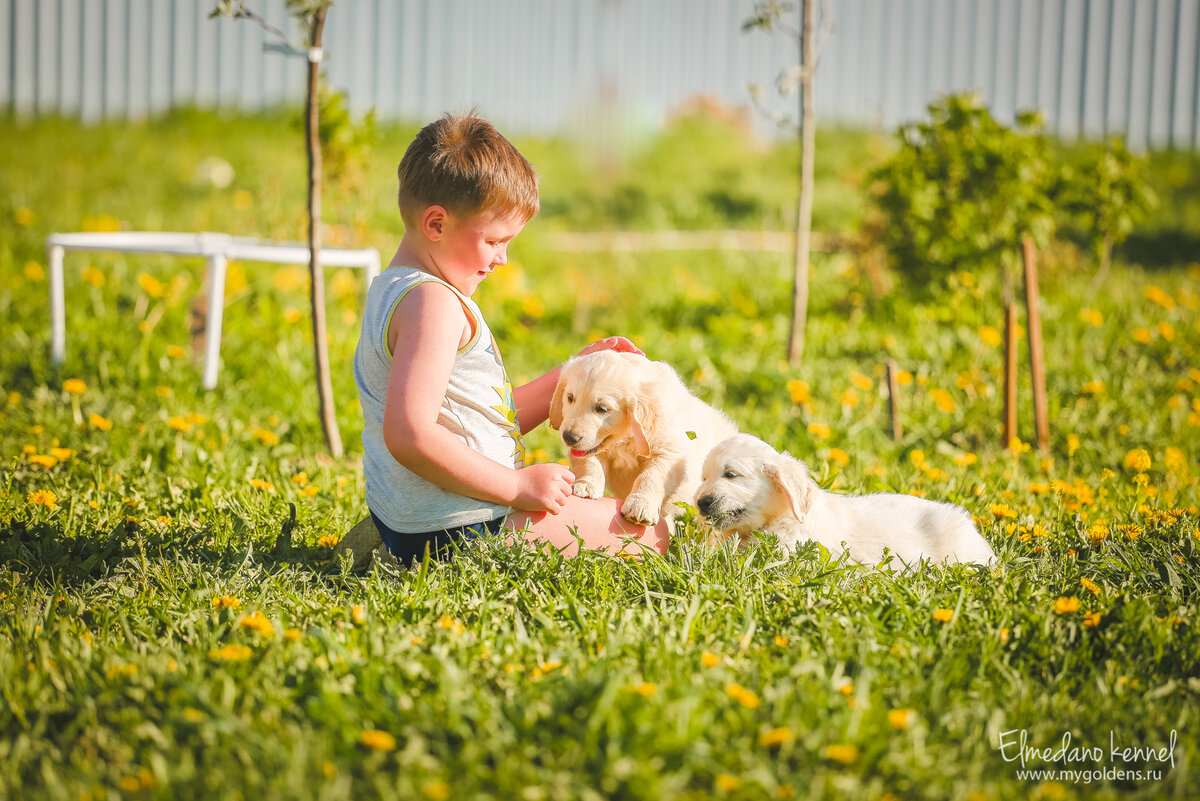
776 737
943 615
727 783
1142 335
1097 532
179 424
358 614
151 285
1166 331
1001 511
225 602
917 457
292 316
42 498
310 490
1137 459
1091 317
93 276
1091 619
265 486
900 718
799 391
645 689
292 634
839 456
232 653
62 454
781 641
990 336
861 381
747 698
256 621
377 740
944 400
436 790
328 541
192 715
1093 388
1156 295
709 659
176 352
162 392
23 216
850 398
819 430
1064 605
1090 585
265 436
845 754
34 271
74 386
100 423
43 460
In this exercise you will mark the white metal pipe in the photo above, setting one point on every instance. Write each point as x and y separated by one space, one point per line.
212 326
217 249
58 305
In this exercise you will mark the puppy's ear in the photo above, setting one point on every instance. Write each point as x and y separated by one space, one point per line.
556 404
644 423
790 479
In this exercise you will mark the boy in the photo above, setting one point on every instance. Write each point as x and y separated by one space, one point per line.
443 456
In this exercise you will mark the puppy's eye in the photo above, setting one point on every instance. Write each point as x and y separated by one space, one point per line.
600 408
729 474
570 398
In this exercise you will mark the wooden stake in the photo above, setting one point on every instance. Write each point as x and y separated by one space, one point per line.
893 384
1010 374
1036 363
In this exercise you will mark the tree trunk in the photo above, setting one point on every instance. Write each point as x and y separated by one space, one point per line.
808 146
333 438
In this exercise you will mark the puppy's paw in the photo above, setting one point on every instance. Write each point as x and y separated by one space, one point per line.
641 510
584 488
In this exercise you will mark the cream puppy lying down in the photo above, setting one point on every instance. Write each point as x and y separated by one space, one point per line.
633 428
747 486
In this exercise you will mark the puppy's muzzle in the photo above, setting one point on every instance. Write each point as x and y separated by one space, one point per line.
571 438
705 504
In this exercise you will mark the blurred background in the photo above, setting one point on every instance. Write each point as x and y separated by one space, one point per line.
610 72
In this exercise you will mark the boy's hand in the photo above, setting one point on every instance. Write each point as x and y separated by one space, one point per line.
543 487
619 344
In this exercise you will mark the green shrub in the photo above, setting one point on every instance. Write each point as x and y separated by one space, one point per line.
963 190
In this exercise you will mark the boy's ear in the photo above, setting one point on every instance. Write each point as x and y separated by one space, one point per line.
790 479
556 404
433 222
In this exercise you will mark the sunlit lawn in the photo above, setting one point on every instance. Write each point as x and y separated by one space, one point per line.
154 643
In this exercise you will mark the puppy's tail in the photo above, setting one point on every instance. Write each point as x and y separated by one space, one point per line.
959 539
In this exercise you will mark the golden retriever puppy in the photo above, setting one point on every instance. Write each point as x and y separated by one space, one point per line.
633 428
748 486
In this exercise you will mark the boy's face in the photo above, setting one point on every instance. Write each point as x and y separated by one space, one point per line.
470 248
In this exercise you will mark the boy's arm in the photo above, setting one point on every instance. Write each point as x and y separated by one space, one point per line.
429 330
533 399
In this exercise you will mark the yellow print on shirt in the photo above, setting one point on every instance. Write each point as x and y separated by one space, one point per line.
508 409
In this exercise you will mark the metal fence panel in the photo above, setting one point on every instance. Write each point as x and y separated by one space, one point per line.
612 68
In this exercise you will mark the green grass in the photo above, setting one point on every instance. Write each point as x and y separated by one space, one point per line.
513 674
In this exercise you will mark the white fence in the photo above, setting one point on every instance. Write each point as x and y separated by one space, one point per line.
614 67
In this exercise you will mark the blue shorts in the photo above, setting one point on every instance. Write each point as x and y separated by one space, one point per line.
440 544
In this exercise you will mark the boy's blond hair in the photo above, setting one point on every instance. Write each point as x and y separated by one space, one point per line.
465 165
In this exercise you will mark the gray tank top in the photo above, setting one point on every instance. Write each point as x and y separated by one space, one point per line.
478 408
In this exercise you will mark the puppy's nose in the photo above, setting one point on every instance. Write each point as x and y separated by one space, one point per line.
571 438
705 504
